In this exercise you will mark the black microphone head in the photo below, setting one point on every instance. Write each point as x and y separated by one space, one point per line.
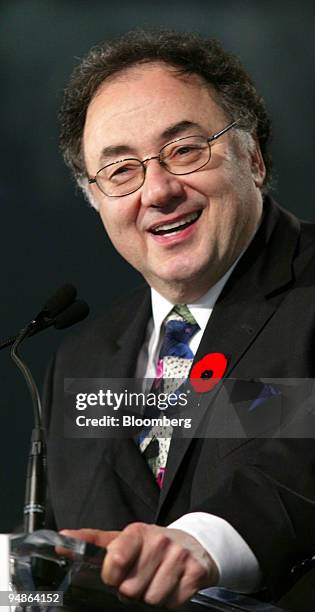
63 297
73 314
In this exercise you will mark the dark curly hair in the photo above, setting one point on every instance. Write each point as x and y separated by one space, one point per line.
191 54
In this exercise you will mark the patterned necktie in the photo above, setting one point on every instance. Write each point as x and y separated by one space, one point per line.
175 359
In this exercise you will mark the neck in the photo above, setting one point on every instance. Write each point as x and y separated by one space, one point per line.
186 292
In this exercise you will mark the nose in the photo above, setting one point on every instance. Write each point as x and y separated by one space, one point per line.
160 187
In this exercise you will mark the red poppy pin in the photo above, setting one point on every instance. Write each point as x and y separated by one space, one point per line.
207 372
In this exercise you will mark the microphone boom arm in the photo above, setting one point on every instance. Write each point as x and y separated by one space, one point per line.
27 373
35 490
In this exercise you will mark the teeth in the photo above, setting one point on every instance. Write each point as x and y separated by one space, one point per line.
183 221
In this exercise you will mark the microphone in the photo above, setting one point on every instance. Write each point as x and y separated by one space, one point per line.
73 314
61 310
64 296
57 303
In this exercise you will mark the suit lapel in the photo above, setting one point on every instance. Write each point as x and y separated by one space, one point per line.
127 345
245 306
124 455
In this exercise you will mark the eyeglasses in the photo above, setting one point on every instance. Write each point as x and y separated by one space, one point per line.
181 156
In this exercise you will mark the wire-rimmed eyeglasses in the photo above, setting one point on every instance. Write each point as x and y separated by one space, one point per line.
181 156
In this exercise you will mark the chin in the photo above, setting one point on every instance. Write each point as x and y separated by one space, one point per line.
185 271
176 276
182 279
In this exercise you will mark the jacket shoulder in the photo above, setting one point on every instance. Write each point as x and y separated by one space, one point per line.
107 326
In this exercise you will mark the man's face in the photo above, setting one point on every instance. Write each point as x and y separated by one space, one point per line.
218 207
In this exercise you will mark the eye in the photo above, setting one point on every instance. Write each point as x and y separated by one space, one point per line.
185 149
185 153
122 171
119 170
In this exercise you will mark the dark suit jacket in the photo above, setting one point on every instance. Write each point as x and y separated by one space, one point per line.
264 322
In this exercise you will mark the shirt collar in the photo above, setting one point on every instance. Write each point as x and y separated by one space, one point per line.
201 309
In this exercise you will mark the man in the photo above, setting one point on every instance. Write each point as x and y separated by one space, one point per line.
167 136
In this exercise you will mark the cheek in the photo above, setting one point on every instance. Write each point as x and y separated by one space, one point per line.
113 227
213 182
115 218
121 228
226 193
105 220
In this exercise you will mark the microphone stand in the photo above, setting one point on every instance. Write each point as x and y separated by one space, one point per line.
40 567
35 492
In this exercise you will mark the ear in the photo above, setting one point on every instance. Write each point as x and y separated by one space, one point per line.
257 164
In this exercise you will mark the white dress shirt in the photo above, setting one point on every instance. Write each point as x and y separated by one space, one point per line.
238 566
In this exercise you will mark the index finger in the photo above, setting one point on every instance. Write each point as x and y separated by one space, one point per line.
92 536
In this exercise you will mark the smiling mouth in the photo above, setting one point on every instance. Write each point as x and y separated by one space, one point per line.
168 229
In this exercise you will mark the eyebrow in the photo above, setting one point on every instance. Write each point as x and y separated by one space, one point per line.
177 128
114 151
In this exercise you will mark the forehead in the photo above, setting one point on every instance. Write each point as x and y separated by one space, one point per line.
136 107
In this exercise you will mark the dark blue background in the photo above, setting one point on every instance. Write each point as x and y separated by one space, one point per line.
49 235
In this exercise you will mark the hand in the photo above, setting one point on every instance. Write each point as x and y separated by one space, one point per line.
154 564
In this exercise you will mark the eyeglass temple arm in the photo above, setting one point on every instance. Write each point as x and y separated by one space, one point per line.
218 134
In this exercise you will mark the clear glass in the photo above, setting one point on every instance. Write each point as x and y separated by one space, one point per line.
181 156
